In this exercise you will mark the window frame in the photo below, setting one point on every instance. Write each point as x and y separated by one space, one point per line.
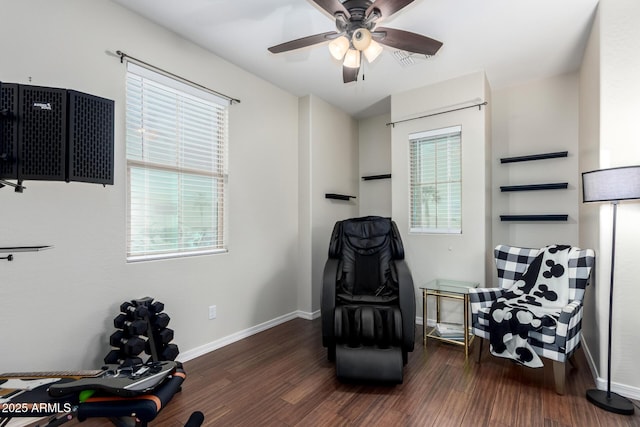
217 171
433 136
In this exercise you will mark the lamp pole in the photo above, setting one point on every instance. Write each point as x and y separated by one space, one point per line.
608 401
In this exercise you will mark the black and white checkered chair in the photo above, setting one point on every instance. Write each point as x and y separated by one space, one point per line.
557 343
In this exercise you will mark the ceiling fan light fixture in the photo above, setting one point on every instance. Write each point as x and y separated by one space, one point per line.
338 47
373 51
361 39
352 59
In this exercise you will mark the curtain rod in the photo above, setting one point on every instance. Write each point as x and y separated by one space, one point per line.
123 55
441 112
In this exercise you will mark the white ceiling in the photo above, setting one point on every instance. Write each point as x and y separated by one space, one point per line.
513 41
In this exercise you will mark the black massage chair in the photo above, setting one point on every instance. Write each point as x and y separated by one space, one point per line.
368 301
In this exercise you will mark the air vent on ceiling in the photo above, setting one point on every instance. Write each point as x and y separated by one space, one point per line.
407 59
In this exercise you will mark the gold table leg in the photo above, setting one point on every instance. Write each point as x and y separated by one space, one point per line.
424 317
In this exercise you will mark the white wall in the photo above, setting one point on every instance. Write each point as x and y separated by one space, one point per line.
589 136
431 256
330 140
617 90
57 306
534 118
374 140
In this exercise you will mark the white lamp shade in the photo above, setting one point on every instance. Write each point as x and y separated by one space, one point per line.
361 39
607 185
352 59
338 47
372 52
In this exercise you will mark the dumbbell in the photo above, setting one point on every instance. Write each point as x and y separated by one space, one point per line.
160 321
156 307
115 357
131 346
160 339
170 352
135 327
133 311
163 336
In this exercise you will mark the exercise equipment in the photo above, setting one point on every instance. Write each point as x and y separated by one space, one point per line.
135 327
129 345
127 382
141 326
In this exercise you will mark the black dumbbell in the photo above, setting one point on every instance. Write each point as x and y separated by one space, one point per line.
156 307
160 321
133 311
130 346
163 336
131 361
115 357
135 327
170 352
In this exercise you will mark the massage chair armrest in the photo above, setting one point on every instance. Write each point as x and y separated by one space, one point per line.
407 302
483 298
328 301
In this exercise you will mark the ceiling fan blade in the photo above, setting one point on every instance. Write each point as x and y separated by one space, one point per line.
349 74
332 6
303 42
388 7
405 40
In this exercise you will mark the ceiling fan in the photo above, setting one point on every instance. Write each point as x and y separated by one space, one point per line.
357 34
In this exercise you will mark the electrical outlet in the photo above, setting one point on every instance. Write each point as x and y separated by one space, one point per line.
212 312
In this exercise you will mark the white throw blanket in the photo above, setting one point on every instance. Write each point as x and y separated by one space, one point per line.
534 301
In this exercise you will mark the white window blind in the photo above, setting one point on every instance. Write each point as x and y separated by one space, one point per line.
176 167
436 181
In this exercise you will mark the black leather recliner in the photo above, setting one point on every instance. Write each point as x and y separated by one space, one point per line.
368 301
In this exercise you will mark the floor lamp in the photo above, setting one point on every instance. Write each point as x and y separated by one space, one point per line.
611 185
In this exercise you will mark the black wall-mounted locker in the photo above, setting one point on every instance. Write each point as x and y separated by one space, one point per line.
55 135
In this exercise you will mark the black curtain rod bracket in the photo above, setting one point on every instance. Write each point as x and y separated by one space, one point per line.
123 55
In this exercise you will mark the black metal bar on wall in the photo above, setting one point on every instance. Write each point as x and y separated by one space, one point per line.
480 105
123 56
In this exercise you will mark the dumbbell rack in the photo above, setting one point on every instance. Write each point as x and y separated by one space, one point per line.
141 327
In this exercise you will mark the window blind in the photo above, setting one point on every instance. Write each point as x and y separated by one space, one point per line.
436 181
176 167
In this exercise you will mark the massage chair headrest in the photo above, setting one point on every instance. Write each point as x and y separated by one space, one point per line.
366 235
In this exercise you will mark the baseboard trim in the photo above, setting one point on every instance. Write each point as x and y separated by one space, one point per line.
188 355
625 390
308 315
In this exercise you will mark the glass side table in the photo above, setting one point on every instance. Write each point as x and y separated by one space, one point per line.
452 289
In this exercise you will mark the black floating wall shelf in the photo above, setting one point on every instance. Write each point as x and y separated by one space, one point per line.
535 187
21 249
338 196
553 217
372 177
25 248
534 157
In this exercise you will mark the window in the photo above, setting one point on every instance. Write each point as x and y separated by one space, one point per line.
436 181
176 167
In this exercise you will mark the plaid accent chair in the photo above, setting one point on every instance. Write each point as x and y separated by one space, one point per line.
558 342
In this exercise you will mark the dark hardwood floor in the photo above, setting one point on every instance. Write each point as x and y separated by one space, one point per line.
281 377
